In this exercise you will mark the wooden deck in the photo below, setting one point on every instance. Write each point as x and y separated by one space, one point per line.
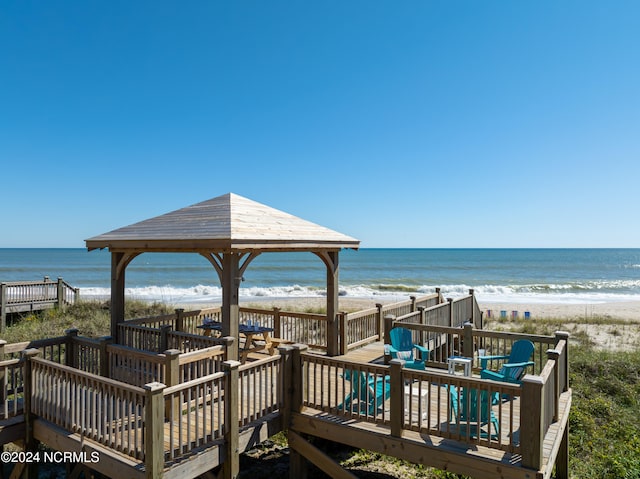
26 296
206 411
430 435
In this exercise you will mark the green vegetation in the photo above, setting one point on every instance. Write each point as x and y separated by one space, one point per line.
604 422
91 318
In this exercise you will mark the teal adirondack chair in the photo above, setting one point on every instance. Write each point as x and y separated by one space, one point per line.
368 392
464 411
512 370
402 347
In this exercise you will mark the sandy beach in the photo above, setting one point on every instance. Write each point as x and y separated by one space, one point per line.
629 310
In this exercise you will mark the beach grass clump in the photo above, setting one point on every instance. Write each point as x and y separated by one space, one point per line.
604 424
91 318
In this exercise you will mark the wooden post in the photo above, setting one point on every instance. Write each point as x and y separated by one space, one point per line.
379 322
30 441
388 325
413 303
531 423
172 367
71 353
2 371
450 300
286 352
553 355
231 465
473 309
3 307
299 380
467 343
564 336
396 403
117 294
277 328
332 303
439 295
163 346
228 344
421 309
104 342
179 319
60 293
231 279
171 378
154 431
298 467
342 321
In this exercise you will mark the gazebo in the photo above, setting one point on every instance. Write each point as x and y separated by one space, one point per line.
230 231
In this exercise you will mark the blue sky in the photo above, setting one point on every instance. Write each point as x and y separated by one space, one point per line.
404 124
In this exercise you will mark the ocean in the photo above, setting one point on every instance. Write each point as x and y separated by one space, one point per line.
497 275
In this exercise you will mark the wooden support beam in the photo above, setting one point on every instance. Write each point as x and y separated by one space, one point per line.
231 466
430 450
317 457
154 431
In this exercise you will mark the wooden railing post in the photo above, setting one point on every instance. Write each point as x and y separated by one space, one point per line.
298 467
71 349
27 377
379 322
60 293
2 371
104 341
286 352
532 423
467 343
342 322
413 303
564 336
553 355
154 430
421 335
298 378
388 325
450 300
179 320
277 328
164 340
473 309
3 307
396 396
231 465
171 378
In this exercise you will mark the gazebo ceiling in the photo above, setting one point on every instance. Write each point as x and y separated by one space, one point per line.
225 223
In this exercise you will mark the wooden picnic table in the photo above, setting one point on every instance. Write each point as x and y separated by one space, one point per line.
257 338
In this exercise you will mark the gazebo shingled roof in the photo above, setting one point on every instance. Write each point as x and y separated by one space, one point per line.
230 231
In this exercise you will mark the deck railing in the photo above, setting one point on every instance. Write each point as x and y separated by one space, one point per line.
356 329
20 296
444 342
433 403
139 336
104 410
204 400
261 386
11 388
195 413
